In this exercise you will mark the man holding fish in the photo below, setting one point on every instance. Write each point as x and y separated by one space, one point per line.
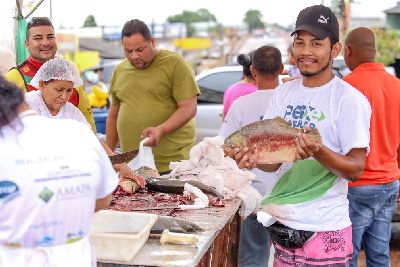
308 207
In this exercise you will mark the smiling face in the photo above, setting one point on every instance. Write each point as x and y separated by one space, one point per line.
139 52
314 56
56 94
41 43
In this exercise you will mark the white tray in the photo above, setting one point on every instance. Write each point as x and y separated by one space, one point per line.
119 235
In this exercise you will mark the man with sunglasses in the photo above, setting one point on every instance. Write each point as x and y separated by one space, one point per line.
42 46
154 95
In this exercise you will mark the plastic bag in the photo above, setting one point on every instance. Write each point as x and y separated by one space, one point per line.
251 201
145 157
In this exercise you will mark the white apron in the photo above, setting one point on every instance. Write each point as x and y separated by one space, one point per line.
77 254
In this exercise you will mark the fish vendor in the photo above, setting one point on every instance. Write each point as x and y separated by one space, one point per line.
48 191
154 95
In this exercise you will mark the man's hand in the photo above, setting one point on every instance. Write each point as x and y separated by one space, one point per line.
124 172
154 134
245 158
306 148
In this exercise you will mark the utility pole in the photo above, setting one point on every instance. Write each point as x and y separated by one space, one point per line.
51 10
342 10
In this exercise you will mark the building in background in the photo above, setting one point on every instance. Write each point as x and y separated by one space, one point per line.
393 17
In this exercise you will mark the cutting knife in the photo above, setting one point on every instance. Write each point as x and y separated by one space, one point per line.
155 208
124 157
175 224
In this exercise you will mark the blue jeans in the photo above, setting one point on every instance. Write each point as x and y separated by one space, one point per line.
254 243
371 211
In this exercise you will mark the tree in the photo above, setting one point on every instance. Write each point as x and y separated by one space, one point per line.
188 17
205 15
387 45
90 21
253 18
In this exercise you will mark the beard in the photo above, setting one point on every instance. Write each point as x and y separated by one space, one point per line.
311 74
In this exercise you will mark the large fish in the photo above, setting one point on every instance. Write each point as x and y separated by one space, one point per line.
274 139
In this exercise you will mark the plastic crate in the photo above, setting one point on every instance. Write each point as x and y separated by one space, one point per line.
118 235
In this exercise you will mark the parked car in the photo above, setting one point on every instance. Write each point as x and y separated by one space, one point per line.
212 84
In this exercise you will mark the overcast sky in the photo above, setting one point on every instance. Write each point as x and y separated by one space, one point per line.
72 13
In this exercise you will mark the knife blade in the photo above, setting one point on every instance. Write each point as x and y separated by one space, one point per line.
124 157
174 223
155 208
177 186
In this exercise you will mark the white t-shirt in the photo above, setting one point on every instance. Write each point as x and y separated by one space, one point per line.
51 174
68 111
342 116
245 110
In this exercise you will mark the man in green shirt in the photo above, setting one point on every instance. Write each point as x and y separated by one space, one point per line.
154 95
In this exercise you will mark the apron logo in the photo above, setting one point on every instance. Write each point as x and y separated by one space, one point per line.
46 241
46 194
8 191
76 191
74 237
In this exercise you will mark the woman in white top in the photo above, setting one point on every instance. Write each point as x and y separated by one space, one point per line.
56 79
54 175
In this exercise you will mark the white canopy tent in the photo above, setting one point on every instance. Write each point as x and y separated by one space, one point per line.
9 11
7 36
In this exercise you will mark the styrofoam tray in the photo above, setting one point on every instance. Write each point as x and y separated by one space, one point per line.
119 235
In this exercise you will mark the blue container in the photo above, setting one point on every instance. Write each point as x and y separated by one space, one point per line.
100 118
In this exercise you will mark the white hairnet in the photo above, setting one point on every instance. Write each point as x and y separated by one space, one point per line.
57 69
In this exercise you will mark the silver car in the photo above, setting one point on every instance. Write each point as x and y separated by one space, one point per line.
212 84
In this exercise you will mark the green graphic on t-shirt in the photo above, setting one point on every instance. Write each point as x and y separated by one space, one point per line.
305 181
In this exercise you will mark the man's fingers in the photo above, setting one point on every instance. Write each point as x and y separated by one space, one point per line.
300 150
248 160
141 182
306 128
150 142
311 145
239 154
297 156
307 145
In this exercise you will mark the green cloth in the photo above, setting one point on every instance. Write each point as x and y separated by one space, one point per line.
149 97
305 181
22 53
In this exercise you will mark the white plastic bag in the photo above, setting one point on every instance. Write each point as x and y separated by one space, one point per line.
144 158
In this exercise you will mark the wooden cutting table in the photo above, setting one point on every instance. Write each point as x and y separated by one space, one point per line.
218 246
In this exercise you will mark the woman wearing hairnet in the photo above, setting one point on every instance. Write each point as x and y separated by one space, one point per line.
56 79
54 174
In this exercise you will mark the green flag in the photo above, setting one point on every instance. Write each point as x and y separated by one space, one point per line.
22 53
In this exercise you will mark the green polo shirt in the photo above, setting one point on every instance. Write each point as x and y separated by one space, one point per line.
149 97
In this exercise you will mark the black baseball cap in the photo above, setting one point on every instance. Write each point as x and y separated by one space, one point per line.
318 20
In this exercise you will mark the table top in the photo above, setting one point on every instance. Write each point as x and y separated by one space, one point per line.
211 219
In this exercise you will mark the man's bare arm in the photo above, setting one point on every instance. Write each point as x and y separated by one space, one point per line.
186 111
349 166
111 127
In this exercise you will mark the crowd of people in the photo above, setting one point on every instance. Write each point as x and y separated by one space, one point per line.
338 196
